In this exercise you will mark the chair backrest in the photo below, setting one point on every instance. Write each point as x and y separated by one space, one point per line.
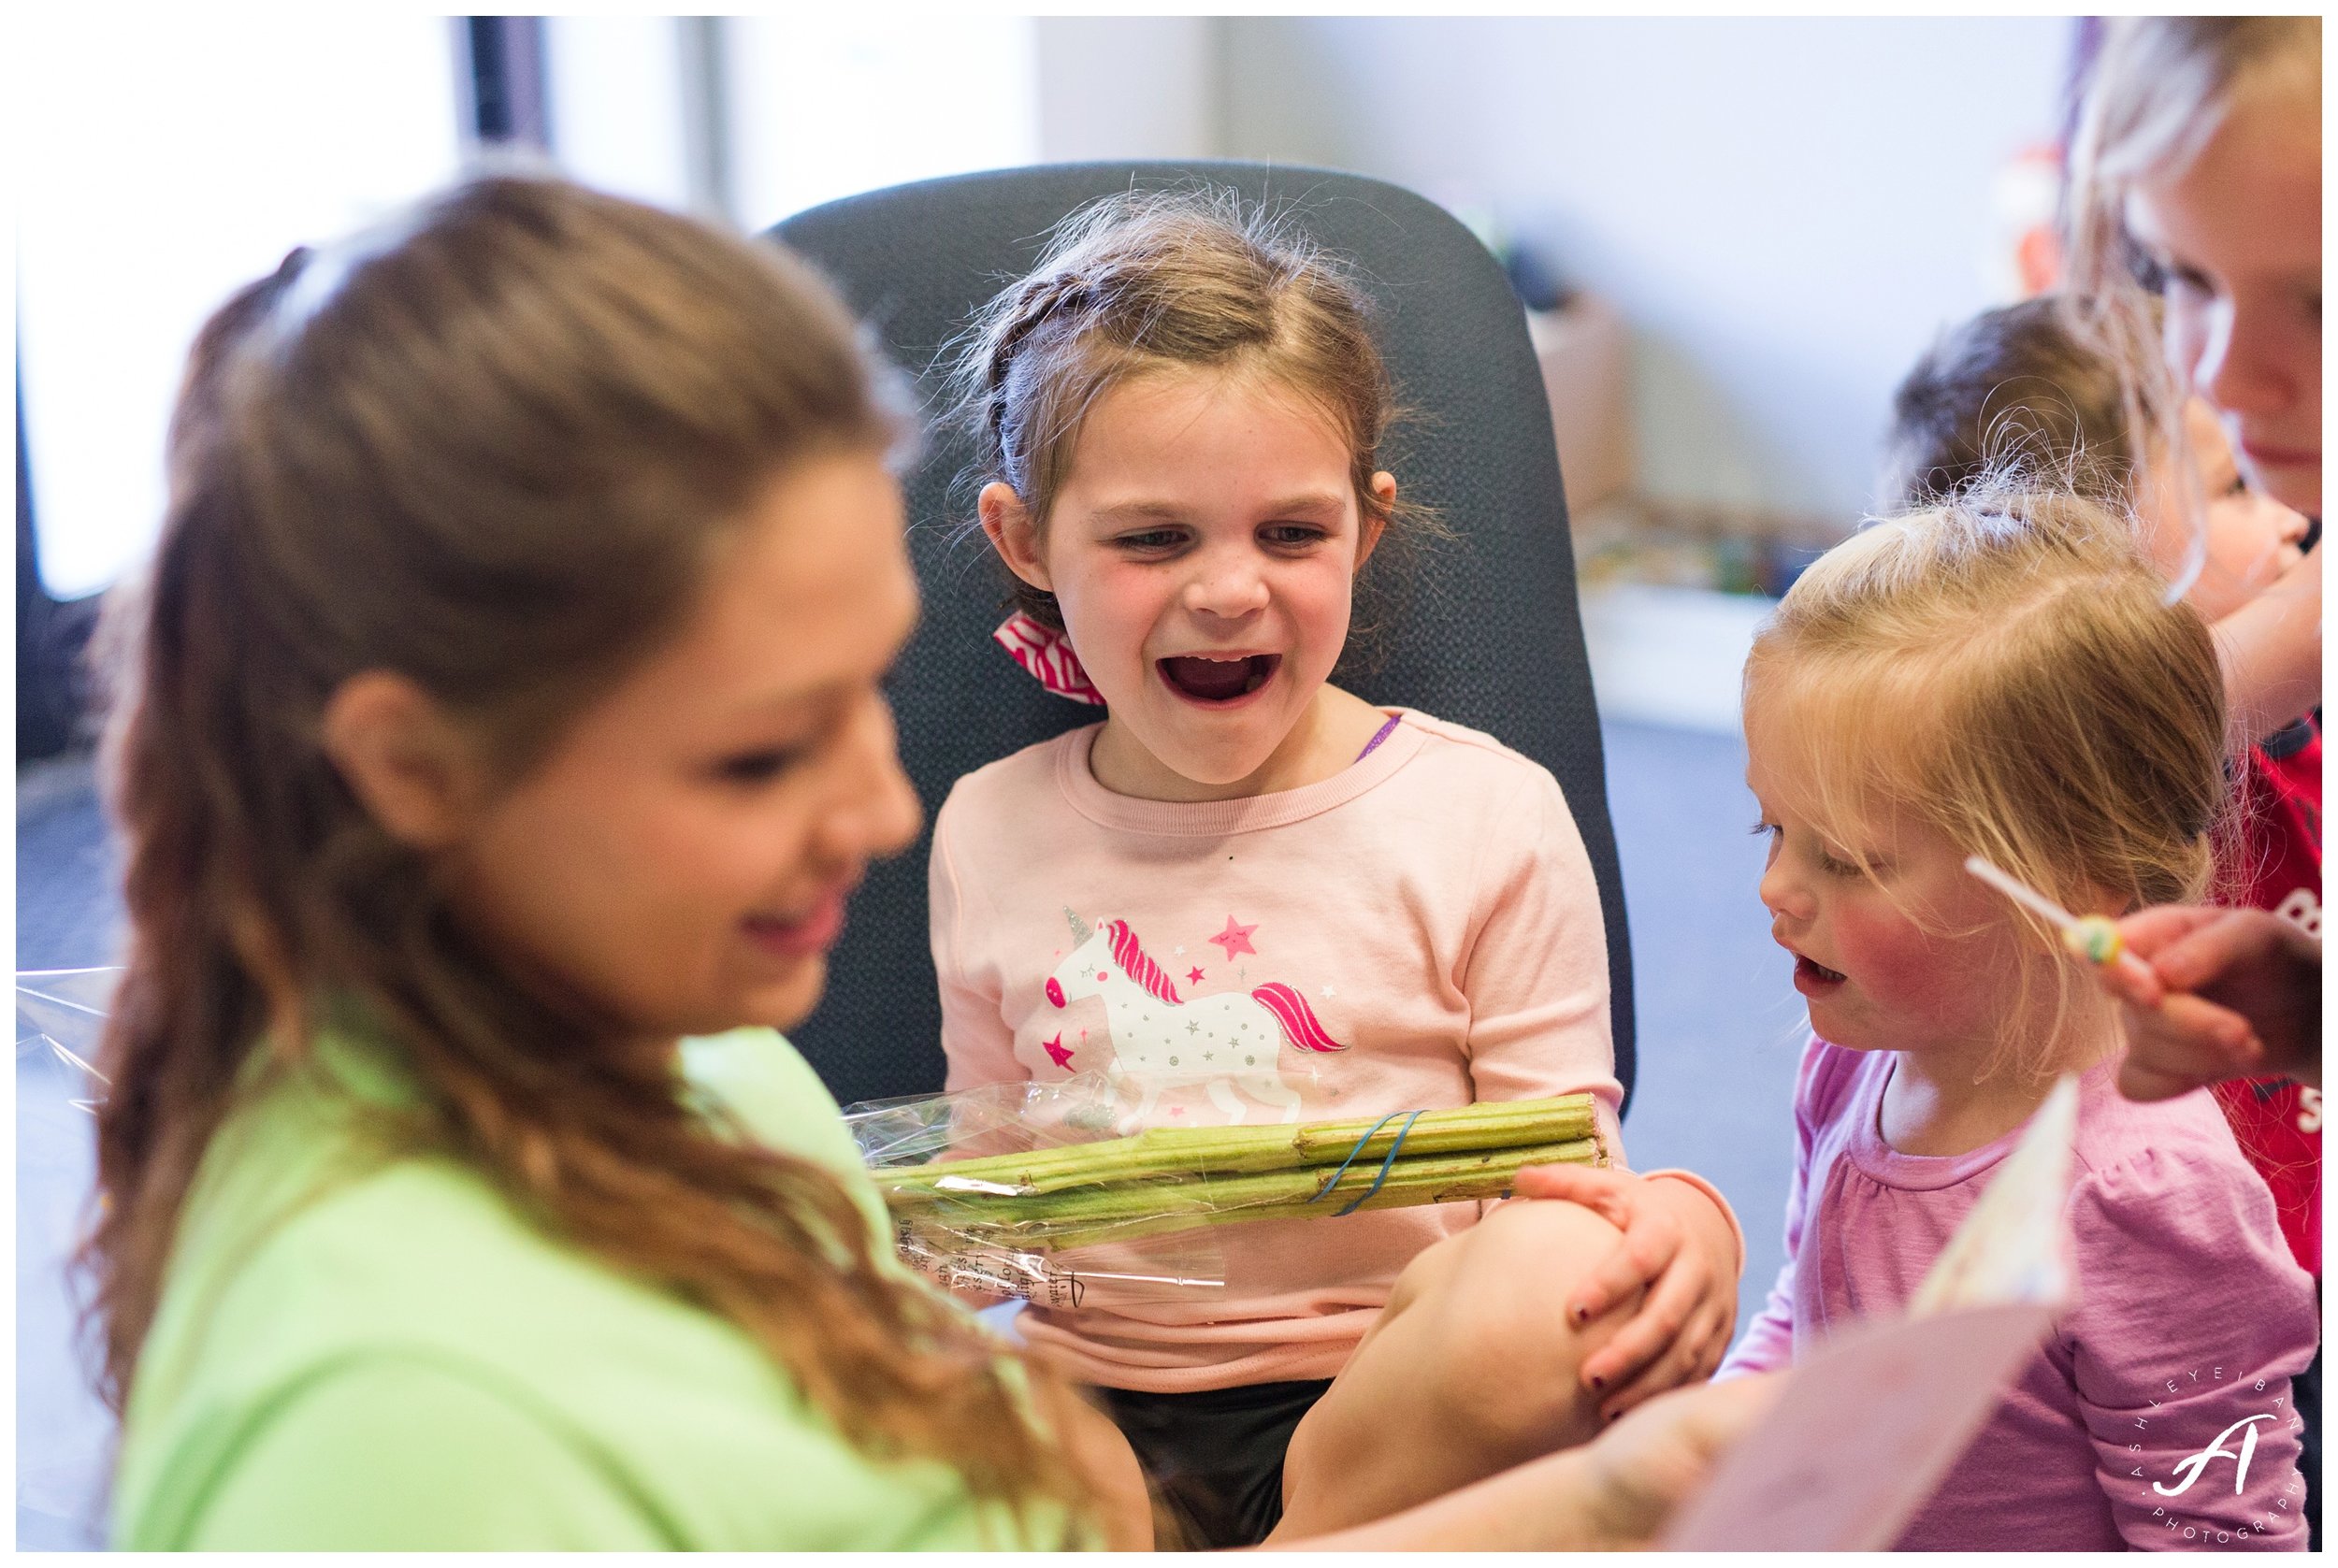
1490 637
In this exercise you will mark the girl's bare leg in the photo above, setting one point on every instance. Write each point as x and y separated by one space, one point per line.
1472 1367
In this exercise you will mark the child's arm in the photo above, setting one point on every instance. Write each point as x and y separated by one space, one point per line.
2191 1320
978 1047
2270 651
1614 1493
1768 1343
1535 973
1536 980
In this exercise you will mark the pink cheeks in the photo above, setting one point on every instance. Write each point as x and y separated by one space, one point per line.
1203 549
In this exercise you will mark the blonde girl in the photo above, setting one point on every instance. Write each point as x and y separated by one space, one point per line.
2002 677
1249 895
500 738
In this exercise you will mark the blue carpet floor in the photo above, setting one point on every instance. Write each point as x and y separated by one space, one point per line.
67 916
1718 1036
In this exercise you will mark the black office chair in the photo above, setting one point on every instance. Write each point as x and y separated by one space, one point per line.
1491 637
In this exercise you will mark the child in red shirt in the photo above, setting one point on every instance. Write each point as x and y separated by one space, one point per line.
2272 858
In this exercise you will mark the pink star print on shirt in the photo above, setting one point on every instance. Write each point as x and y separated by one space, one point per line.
1500 957
1234 938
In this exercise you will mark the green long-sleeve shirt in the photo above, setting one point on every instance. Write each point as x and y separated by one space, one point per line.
366 1350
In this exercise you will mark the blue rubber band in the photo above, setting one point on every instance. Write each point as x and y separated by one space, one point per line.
1393 1149
1370 1134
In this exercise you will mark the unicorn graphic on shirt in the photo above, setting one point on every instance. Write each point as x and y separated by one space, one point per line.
1229 1043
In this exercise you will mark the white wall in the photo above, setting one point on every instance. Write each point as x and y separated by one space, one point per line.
1787 211
220 142
826 103
1128 87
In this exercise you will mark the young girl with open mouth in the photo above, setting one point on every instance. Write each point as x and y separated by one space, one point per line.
1250 895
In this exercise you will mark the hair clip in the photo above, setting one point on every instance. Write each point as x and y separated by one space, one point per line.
1045 654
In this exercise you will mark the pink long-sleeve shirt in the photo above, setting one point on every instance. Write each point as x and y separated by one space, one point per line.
2190 1319
1422 930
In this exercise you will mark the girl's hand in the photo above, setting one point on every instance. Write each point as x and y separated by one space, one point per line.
1676 1243
2226 993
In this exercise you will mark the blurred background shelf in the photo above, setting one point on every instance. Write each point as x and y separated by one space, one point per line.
1666 655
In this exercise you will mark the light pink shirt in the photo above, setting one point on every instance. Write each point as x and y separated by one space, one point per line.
2191 1315
1430 910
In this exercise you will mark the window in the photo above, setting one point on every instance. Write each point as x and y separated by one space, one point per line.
181 157
171 158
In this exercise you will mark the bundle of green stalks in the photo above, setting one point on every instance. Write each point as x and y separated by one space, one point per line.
1179 1178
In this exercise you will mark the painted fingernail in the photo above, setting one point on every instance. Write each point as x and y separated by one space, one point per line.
1581 1313
1598 1382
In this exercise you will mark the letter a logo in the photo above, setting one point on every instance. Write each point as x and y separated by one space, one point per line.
2191 1468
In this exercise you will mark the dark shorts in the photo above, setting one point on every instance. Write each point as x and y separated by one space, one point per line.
1215 1460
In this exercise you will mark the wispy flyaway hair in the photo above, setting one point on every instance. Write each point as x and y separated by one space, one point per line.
2005 669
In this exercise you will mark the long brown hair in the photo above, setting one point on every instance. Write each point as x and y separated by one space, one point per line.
1150 280
491 448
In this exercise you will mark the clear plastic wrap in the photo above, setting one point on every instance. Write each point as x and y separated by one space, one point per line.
63 1462
1022 1188
59 1011
953 1249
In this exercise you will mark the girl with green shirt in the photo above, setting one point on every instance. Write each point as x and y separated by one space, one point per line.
500 738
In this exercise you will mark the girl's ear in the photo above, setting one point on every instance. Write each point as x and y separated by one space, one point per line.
409 766
1383 491
1008 524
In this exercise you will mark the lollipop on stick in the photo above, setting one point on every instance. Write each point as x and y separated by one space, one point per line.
2094 938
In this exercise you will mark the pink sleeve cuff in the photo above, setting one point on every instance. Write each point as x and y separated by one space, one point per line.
1737 1231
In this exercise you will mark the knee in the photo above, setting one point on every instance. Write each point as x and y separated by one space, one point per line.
1516 1359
